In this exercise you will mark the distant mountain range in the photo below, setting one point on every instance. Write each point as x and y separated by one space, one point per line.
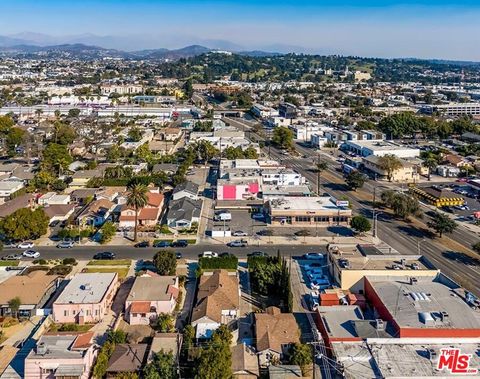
17 47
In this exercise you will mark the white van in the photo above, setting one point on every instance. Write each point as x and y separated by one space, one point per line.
223 216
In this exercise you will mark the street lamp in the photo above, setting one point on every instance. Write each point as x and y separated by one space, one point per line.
418 244
375 222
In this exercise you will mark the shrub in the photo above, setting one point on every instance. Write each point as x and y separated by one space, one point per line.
69 261
228 263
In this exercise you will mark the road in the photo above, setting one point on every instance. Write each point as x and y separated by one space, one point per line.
190 252
402 236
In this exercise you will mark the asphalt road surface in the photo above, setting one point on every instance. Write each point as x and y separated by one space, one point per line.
190 252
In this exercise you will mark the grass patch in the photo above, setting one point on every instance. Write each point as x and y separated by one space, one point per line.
9 263
110 262
70 327
192 242
121 271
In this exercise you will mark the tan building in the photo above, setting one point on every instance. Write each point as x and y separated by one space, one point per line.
308 211
350 264
275 332
409 172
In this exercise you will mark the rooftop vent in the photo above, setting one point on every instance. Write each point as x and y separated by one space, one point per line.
379 324
413 281
444 316
41 348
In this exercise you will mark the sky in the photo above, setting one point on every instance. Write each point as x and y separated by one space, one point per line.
447 29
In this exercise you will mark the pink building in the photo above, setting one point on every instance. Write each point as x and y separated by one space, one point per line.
151 295
86 299
61 356
227 190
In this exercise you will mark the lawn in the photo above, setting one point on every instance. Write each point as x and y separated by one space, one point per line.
9 263
121 271
110 262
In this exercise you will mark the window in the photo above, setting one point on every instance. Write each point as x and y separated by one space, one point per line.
47 370
302 218
96 312
88 312
65 313
74 311
321 218
144 315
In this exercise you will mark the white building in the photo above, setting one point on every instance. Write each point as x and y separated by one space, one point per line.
123 89
380 148
263 111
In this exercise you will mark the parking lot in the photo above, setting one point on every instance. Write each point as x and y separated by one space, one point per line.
241 221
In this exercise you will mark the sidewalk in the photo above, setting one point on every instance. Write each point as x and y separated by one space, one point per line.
293 240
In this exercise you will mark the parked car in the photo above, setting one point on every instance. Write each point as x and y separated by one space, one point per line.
54 223
65 245
239 233
237 243
105 255
142 244
180 243
223 216
162 244
257 254
209 254
25 245
31 254
258 216
9 245
178 255
313 256
11 257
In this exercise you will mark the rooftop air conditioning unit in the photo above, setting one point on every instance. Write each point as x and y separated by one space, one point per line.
413 281
379 324
443 316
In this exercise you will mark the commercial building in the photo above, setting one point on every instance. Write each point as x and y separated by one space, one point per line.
307 211
365 148
350 264
423 306
287 110
263 111
127 89
454 109
437 196
86 298
61 356
409 172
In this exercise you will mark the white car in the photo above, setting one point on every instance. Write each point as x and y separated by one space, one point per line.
239 233
313 256
31 254
209 254
25 245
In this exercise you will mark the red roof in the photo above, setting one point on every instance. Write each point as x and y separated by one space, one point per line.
83 340
140 307
328 297
155 199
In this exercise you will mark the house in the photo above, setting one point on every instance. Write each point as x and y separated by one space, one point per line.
244 362
83 195
217 302
52 198
147 216
96 213
185 189
170 134
184 212
22 201
86 298
8 187
127 358
168 342
82 177
275 332
59 212
33 289
285 372
61 356
455 160
150 296
167 168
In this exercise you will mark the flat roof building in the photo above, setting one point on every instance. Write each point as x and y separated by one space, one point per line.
380 148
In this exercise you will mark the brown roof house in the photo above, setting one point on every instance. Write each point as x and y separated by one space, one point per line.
244 362
33 289
127 358
217 303
275 332
96 213
147 216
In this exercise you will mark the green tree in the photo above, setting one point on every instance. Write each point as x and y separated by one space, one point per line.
6 122
56 157
355 180
42 180
63 134
74 112
431 163
134 134
389 163
188 336
107 231
360 224
165 323
476 247
283 138
161 367
301 355
138 199
250 153
101 365
144 153
205 151
165 262
188 88
25 224
114 153
116 336
403 205
14 305
15 138
441 223
215 359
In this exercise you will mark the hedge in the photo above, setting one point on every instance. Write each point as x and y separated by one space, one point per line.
230 262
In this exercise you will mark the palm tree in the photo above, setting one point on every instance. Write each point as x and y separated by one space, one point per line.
431 164
14 305
137 198
320 166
